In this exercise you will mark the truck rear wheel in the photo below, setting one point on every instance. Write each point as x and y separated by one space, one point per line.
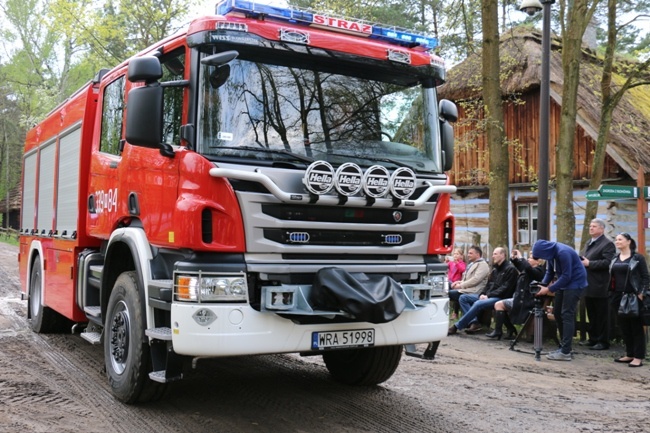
44 319
126 349
369 366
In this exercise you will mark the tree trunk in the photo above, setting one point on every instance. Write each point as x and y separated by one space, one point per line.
498 148
606 111
571 55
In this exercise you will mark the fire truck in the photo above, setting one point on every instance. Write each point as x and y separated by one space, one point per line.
270 180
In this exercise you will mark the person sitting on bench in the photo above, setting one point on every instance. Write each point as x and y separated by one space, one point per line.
501 285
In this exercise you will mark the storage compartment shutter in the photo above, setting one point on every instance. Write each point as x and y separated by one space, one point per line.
67 207
46 188
29 192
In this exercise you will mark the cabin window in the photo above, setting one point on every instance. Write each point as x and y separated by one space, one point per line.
173 70
526 220
112 117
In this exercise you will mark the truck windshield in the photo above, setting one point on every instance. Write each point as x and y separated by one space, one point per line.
253 111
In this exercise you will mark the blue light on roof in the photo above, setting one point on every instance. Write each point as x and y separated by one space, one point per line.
407 38
378 31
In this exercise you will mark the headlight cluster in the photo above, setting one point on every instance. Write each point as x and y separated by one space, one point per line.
202 288
438 283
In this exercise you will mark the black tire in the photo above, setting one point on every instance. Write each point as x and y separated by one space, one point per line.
126 349
44 320
366 367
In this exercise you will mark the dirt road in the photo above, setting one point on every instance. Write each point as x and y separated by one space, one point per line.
56 383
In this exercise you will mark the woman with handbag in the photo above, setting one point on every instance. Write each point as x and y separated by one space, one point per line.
631 282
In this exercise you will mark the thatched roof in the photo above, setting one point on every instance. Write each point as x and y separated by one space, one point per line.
520 52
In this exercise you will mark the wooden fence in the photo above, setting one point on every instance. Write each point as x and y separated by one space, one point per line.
9 234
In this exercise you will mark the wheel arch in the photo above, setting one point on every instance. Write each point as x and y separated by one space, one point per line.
35 251
128 250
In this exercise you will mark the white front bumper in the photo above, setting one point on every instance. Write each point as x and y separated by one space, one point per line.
241 330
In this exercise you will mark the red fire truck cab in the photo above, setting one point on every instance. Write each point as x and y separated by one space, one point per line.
269 181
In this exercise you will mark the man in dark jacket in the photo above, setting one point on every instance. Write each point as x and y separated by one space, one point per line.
596 258
564 263
501 285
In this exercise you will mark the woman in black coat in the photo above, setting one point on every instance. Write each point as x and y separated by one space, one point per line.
515 310
629 274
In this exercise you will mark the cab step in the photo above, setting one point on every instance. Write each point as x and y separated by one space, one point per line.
94 314
159 376
92 337
162 333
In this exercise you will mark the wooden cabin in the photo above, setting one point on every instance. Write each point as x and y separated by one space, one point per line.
10 209
628 147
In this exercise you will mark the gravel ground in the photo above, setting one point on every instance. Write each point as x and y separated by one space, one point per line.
56 383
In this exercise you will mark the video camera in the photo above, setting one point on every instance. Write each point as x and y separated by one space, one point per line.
535 287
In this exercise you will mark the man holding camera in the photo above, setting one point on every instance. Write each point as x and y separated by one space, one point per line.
564 265
596 258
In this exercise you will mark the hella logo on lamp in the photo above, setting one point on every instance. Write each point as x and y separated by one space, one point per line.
349 179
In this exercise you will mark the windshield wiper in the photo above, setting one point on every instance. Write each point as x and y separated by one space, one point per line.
294 156
390 160
371 158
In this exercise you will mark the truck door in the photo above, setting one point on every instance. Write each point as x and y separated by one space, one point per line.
129 181
150 179
104 188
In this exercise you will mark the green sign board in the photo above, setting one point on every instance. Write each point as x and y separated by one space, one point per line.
615 192
618 192
593 195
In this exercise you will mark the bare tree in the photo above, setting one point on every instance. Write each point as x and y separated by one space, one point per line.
610 100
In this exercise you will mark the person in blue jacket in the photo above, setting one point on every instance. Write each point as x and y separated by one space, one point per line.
565 278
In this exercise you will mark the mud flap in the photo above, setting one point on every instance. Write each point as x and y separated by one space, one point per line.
428 354
368 298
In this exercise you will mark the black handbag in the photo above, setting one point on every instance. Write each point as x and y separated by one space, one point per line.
629 306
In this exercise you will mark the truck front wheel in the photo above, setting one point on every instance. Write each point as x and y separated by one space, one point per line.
126 349
369 366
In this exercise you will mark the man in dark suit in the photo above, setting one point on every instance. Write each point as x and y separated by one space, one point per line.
596 257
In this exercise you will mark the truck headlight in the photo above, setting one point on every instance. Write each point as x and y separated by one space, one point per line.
204 288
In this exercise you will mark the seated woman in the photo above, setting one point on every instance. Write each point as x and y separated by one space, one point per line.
515 310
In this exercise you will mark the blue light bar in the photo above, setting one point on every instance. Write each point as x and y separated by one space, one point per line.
362 28
406 38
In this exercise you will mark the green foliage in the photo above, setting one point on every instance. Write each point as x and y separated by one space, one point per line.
631 17
58 45
11 138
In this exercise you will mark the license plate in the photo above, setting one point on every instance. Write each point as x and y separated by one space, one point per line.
338 339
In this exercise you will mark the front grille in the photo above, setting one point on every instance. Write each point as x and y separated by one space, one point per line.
338 237
339 257
339 214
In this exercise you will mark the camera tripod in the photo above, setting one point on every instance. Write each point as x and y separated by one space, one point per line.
537 314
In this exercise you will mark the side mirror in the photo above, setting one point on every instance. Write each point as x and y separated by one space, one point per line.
144 106
146 68
448 110
221 72
448 113
219 76
144 116
447 144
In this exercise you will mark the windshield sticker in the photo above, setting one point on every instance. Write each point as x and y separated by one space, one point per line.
225 136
